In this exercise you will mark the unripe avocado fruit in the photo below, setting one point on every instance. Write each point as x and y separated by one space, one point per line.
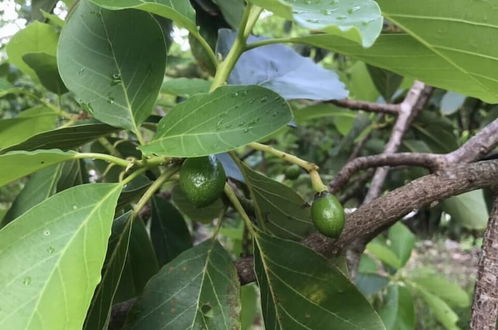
292 172
202 179
327 214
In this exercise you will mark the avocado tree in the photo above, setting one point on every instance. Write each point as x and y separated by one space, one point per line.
150 188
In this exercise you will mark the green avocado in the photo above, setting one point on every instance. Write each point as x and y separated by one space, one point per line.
202 180
292 172
327 214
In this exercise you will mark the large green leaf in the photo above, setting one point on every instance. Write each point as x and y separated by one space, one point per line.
279 209
401 242
98 315
185 87
357 20
450 292
141 263
114 62
384 254
302 290
51 258
322 110
469 209
16 164
223 120
398 311
27 124
45 67
36 38
168 231
199 289
446 45
440 309
39 187
179 11
64 138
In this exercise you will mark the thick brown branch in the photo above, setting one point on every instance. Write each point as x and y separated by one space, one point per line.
485 305
367 106
414 101
430 161
372 217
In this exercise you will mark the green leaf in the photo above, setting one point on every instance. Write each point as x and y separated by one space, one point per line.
17 164
223 120
360 83
141 263
401 242
35 38
99 313
369 284
249 306
45 67
39 187
386 82
384 254
28 123
179 11
202 214
442 312
446 45
169 233
62 242
198 289
114 62
64 138
450 292
398 311
232 11
279 209
357 20
302 290
185 87
469 209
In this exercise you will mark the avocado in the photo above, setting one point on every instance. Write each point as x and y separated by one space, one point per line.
327 214
202 179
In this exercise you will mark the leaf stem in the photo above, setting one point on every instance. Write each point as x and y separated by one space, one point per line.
308 166
105 157
249 18
109 147
316 182
149 193
239 208
267 42
207 48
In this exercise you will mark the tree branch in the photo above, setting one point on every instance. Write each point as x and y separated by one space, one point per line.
374 216
485 305
478 146
415 100
367 106
431 161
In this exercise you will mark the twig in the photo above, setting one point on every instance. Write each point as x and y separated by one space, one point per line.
431 161
485 305
414 101
367 106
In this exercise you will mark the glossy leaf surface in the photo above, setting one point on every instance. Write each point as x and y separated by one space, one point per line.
198 289
114 62
62 242
223 120
300 289
17 164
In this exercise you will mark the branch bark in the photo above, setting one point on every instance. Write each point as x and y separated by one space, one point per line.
372 217
414 101
367 106
485 304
